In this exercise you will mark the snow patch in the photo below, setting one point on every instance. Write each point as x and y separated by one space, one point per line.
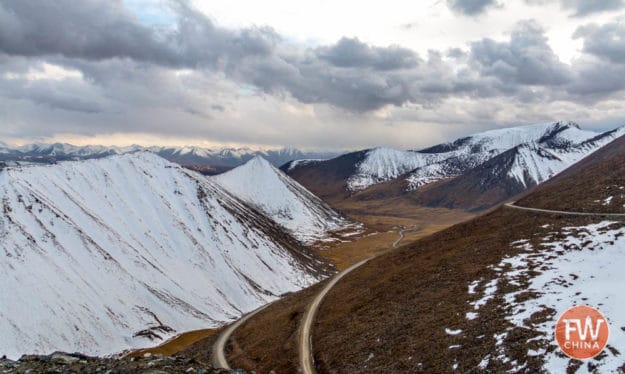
582 268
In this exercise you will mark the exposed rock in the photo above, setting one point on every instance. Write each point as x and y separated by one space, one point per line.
60 362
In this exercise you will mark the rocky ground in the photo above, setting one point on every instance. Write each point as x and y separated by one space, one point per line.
77 363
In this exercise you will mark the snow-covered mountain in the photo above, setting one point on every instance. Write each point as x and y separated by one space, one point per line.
225 157
263 186
103 255
541 151
563 140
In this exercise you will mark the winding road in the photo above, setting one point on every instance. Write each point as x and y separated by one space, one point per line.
402 232
614 215
305 340
219 356
306 360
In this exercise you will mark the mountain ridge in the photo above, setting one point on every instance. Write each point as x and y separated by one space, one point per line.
192 155
448 169
116 253
267 188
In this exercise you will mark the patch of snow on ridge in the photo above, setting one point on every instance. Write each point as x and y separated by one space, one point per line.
382 164
296 163
265 187
583 268
93 252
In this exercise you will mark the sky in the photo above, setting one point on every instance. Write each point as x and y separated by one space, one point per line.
322 75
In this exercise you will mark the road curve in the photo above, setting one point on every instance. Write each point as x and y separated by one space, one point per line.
218 356
306 360
402 233
614 215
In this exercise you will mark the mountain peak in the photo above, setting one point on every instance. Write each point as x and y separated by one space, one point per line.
568 123
260 184
155 244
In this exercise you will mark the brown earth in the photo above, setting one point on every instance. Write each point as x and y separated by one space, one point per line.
383 226
391 314
264 345
176 344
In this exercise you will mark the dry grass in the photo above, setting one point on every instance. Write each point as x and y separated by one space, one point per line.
176 344
269 340
383 230
390 315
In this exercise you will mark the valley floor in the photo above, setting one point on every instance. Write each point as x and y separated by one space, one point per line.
382 231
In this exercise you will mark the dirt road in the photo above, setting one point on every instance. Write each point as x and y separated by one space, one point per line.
305 342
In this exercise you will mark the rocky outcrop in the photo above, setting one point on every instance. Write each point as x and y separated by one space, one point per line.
60 362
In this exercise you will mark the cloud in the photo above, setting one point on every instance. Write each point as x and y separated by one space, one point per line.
99 31
586 7
195 78
582 8
526 59
353 53
471 7
604 41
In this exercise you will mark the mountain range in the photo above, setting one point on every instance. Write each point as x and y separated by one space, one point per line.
217 159
481 296
473 173
119 248
120 252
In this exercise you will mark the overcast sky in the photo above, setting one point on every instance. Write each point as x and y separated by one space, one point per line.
310 74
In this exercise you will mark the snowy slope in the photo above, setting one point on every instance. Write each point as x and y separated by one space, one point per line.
93 252
450 159
537 162
231 157
260 184
572 266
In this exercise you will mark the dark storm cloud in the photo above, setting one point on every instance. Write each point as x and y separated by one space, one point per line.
471 7
125 61
96 30
605 41
353 53
525 59
596 80
83 29
63 96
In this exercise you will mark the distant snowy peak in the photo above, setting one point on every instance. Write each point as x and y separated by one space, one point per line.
105 255
454 158
263 186
536 163
383 164
230 157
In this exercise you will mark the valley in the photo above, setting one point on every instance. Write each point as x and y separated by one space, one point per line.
371 279
312 187
470 296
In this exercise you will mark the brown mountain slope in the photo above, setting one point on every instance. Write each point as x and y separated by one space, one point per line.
391 314
478 189
330 181
406 311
